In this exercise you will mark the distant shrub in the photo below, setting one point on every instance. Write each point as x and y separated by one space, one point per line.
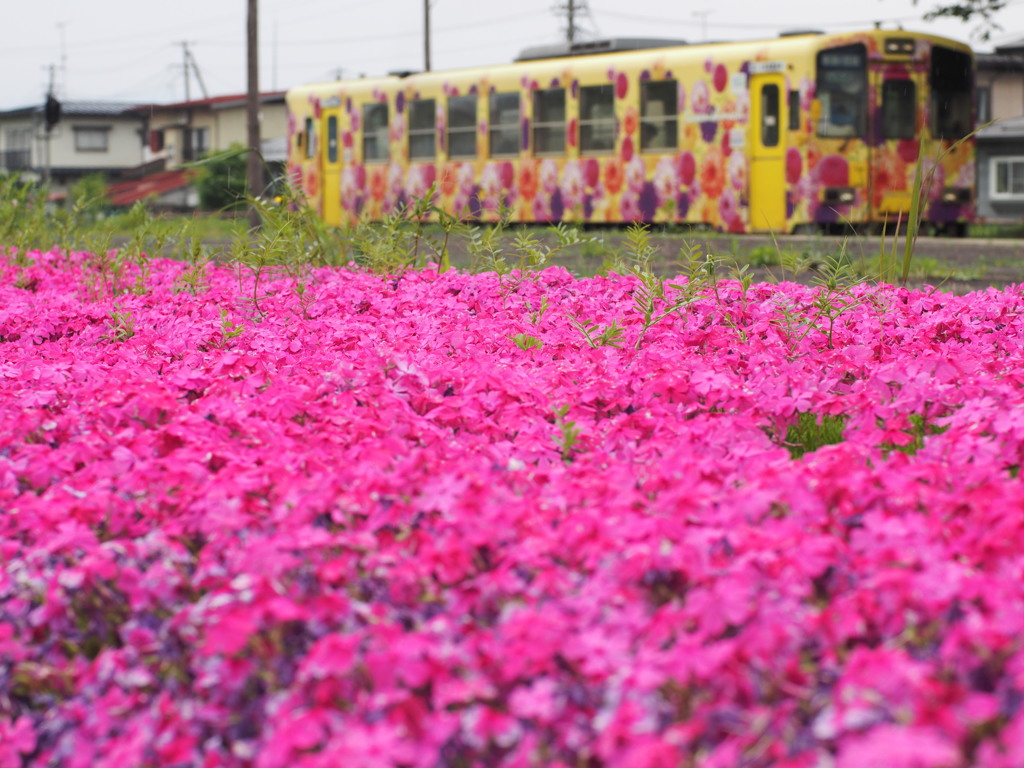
221 180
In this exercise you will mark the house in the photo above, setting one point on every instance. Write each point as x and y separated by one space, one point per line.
184 132
143 151
90 137
1000 146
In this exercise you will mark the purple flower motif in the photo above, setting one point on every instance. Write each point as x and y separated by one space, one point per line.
648 201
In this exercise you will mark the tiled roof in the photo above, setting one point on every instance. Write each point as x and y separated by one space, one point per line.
153 185
215 102
81 109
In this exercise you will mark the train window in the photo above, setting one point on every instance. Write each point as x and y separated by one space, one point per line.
332 139
794 110
597 118
659 103
422 129
310 143
462 126
899 109
842 91
770 115
549 121
375 133
952 80
504 121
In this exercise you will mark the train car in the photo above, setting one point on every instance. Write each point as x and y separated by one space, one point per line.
808 130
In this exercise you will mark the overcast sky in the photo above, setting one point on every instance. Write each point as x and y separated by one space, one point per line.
126 50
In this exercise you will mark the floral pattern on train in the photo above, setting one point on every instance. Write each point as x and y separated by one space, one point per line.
704 178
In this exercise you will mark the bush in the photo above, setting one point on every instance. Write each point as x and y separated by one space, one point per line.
89 198
221 180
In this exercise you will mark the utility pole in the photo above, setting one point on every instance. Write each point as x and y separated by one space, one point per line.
703 16
426 35
573 10
189 64
51 115
184 68
254 167
63 90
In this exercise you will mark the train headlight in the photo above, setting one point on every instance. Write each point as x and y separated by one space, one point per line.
840 195
956 196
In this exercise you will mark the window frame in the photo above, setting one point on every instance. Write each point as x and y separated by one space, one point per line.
504 129
81 131
549 128
983 97
909 131
771 115
332 139
950 107
309 132
1009 160
825 128
589 125
666 124
377 158
460 130
425 106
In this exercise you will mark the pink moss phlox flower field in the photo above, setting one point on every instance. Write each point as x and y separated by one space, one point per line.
363 526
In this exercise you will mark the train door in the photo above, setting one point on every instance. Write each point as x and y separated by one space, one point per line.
895 138
331 165
767 148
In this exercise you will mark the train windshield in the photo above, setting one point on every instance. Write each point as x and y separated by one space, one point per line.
842 92
951 81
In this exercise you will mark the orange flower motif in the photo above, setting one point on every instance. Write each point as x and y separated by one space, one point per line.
378 184
708 212
712 173
449 178
630 121
613 176
691 136
890 174
312 183
813 156
528 180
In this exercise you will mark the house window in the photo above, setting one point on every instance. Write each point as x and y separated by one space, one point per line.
659 104
504 134
1007 178
597 118
462 126
375 133
200 141
549 121
422 127
18 154
92 139
984 94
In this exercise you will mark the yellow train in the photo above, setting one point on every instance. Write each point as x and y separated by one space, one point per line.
804 131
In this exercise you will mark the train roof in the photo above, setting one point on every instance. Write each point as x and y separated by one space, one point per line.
544 55
590 47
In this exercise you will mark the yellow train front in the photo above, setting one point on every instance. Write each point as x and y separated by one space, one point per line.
805 131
